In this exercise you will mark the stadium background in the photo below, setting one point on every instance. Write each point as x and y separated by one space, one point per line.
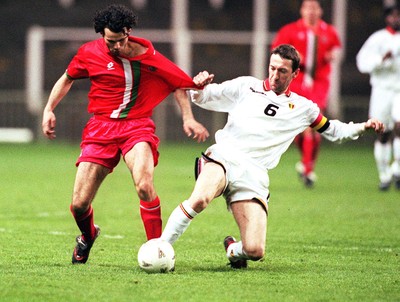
226 61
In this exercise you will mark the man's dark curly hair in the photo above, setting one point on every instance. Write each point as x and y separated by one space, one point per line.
115 17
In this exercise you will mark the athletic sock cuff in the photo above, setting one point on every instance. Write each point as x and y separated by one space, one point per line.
187 209
84 215
150 204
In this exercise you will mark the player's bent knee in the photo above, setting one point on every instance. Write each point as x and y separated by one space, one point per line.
144 190
80 202
200 204
79 209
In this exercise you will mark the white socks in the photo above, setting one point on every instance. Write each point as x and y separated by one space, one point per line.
396 157
178 222
383 156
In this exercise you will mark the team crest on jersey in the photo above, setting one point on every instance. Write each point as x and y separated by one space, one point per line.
110 66
152 68
291 105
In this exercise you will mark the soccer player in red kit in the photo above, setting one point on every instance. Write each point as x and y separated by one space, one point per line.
318 44
128 79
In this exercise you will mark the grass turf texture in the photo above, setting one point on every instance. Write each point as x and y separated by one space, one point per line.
337 242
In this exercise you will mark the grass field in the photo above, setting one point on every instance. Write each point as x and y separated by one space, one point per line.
337 242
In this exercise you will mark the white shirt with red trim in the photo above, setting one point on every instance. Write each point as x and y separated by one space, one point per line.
383 73
261 125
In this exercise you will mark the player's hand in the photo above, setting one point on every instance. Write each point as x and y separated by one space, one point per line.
387 56
203 78
375 125
196 130
49 124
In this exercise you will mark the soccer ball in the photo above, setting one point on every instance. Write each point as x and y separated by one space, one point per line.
156 256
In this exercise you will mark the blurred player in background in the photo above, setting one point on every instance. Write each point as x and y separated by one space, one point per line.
264 117
128 79
380 57
318 44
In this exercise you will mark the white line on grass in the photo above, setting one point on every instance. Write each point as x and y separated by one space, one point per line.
57 233
353 248
53 214
114 236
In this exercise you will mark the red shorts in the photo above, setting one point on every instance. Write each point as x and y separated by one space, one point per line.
104 141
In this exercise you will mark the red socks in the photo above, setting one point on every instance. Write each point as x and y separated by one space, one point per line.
85 223
317 143
150 211
309 151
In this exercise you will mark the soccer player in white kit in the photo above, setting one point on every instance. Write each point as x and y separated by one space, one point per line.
264 117
380 57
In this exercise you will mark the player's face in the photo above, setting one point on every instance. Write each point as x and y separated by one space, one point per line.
116 42
311 11
393 20
281 74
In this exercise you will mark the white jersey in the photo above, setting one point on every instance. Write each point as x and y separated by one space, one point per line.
383 74
261 125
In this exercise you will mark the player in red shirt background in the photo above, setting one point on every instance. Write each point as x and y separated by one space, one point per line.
128 79
318 44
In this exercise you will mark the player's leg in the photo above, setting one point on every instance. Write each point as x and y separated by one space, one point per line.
316 147
318 93
309 151
95 162
396 140
299 140
396 155
88 179
383 157
251 218
380 108
210 184
140 162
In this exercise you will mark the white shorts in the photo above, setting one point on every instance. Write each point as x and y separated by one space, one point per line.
245 180
385 106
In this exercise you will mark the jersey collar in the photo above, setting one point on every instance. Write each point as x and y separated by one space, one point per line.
267 88
391 30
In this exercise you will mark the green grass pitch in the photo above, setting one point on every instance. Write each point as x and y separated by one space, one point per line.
337 242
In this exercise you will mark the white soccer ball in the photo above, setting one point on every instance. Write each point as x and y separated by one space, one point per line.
156 256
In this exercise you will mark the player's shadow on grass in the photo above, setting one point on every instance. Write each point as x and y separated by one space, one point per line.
260 266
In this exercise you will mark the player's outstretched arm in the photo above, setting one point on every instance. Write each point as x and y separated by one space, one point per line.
191 127
60 89
338 131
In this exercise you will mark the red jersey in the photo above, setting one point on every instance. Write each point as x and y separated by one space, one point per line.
313 81
126 88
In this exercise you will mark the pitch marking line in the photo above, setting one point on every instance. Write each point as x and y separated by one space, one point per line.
354 248
57 233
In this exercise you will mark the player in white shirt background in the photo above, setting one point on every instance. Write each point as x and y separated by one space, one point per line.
264 117
380 58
